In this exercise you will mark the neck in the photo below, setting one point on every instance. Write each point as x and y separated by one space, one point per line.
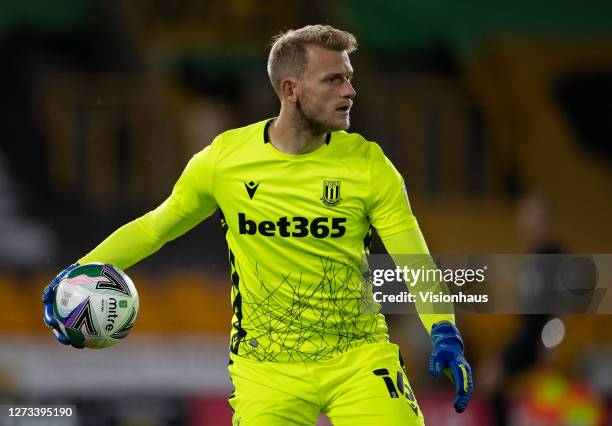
291 135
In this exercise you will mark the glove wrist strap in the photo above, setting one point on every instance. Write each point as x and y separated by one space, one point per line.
445 332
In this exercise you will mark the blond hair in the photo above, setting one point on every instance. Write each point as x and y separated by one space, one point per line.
288 56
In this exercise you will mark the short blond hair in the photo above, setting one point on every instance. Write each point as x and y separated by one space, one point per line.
288 56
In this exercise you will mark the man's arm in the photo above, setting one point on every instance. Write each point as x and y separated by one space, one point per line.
390 213
142 237
438 319
191 202
408 249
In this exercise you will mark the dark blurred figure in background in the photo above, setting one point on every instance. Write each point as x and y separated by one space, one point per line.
524 349
535 225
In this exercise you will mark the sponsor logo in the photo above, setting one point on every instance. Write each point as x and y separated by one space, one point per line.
251 188
297 227
112 313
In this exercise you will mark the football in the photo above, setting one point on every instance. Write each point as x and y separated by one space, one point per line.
96 305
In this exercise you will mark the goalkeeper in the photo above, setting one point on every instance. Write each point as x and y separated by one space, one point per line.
298 198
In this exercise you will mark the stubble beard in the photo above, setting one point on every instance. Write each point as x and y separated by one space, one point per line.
306 121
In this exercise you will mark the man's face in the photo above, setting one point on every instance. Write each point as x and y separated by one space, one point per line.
324 93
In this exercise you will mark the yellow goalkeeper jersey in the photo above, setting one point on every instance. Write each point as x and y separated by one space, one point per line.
297 227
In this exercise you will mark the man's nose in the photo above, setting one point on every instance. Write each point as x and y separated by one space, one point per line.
348 91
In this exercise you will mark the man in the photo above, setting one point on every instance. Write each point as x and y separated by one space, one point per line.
523 350
298 197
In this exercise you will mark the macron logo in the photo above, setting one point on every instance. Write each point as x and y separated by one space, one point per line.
251 188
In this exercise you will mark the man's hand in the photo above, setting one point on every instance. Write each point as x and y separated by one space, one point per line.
447 356
48 296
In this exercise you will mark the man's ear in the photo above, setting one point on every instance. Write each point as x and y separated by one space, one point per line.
288 89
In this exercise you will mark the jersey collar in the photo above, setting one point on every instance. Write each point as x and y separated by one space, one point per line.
266 137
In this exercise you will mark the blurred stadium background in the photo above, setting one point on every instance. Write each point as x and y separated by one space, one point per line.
479 104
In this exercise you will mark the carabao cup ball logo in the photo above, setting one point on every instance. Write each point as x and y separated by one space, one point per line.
96 305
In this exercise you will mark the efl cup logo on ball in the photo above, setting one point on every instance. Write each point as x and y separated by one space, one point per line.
96 305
